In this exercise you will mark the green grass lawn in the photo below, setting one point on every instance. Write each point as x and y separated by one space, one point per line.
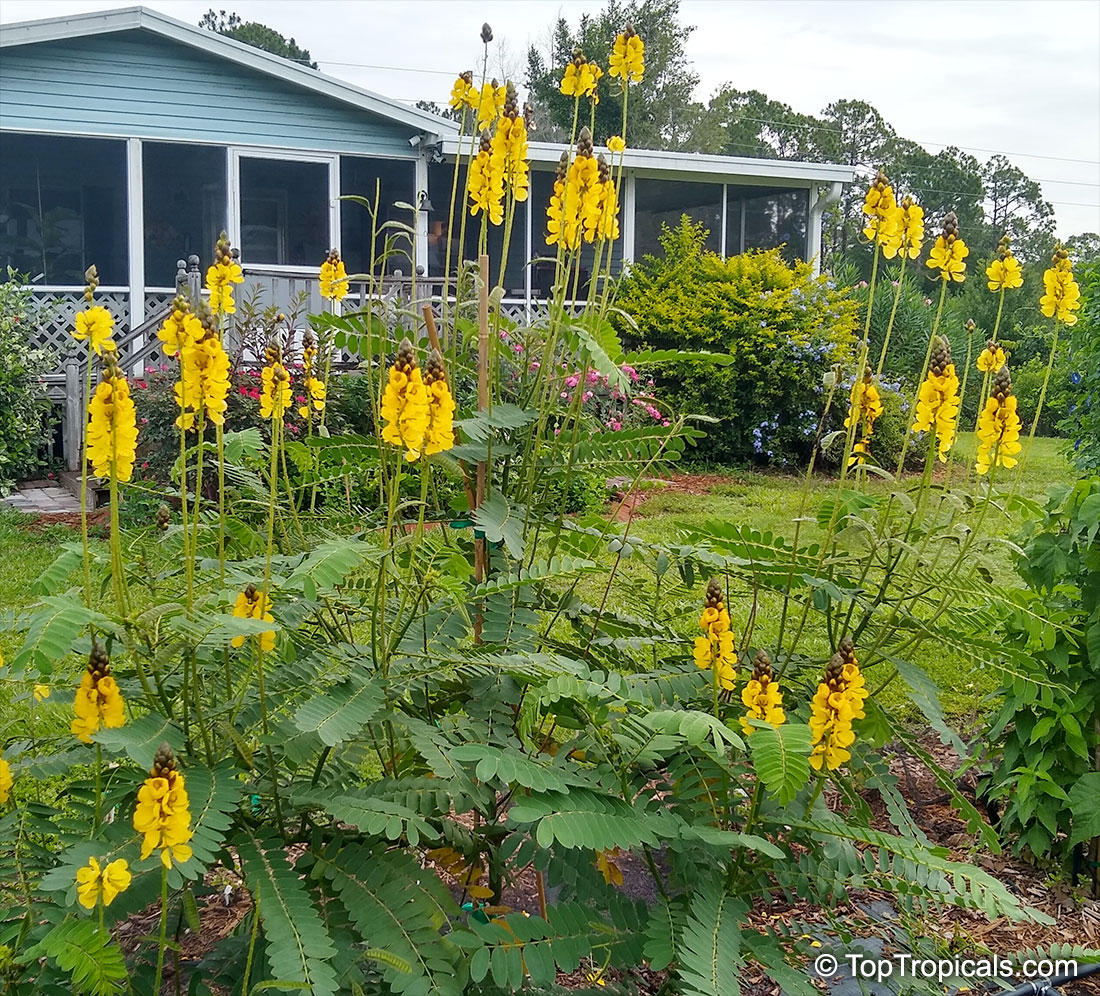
772 501
764 501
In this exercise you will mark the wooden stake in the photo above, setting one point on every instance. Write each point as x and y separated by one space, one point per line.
433 332
481 558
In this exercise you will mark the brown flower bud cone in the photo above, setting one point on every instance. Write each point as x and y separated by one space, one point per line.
714 594
847 650
762 667
1002 384
434 370
406 357
164 762
834 672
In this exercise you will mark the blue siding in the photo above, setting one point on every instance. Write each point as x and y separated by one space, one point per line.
134 84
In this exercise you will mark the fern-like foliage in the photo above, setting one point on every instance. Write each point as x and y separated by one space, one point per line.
398 908
782 758
708 945
298 946
95 965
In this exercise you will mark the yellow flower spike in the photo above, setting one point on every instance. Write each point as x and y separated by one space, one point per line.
881 215
6 780
949 251
204 373
992 358
627 60
999 426
938 400
93 882
864 407
1004 272
98 701
831 715
254 604
112 425
180 328
761 696
716 648
95 325
163 811
1062 296
275 394
334 277
439 435
507 163
405 406
221 275
904 232
316 391
41 692
616 144
486 183
463 93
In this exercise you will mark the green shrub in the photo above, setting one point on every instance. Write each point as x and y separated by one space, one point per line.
26 420
1081 393
782 326
1048 731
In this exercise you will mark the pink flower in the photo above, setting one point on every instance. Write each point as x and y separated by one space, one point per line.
242 389
593 377
145 465
572 380
144 421
615 424
301 399
517 347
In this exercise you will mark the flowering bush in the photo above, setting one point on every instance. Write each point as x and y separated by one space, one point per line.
782 328
26 419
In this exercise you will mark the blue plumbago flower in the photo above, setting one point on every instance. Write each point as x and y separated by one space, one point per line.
1075 378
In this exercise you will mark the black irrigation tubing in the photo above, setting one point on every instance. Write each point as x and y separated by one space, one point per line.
1039 987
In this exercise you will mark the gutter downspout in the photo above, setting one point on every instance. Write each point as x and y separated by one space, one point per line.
817 210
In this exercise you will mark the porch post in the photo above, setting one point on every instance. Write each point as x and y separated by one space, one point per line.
725 194
528 250
629 203
135 202
420 181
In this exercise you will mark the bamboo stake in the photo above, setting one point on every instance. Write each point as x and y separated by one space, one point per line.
481 559
433 332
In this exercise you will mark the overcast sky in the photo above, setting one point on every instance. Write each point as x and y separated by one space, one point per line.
1021 77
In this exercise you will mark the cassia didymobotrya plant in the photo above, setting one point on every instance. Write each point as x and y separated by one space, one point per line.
361 721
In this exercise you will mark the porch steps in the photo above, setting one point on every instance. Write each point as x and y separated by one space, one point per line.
98 493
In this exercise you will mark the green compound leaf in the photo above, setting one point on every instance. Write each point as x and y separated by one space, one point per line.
339 713
298 945
781 756
400 909
96 966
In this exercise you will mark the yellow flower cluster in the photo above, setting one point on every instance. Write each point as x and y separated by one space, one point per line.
584 203
1062 296
405 404
222 274
95 324
489 103
163 813
938 401
439 435
486 183
992 358
181 327
254 604
1004 272
464 93
334 277
6 781
92 881
98 701
716 649
627 60
580 78
508 150
316 391
761 696
839 700
864 407
949 251
879 209
204 374
903 230
275 394
999 426
112 425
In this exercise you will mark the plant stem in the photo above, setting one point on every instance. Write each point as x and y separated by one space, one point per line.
163 929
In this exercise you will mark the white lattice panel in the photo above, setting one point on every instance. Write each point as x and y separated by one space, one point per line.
56 313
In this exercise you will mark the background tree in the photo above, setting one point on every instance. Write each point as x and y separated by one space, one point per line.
658 111
255 34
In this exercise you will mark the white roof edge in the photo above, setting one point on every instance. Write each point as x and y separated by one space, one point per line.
642 160
131 18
